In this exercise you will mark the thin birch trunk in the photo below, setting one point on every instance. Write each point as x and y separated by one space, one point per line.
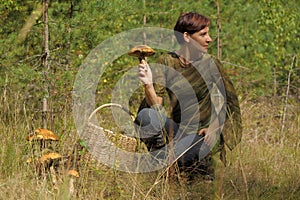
219 43
286 100
45 59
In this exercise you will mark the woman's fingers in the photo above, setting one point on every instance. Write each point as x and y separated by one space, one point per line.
145 73
203 131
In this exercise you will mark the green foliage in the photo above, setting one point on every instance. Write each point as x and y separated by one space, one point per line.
255 37
259 41
279 26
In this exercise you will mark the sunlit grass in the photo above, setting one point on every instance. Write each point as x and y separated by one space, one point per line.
265 165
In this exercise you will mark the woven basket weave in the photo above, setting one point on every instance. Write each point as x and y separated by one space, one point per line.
96 136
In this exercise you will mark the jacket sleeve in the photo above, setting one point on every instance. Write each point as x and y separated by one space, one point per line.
232 130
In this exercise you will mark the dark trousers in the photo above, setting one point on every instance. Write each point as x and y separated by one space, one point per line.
160 134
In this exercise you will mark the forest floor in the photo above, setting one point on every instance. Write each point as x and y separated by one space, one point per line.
265 165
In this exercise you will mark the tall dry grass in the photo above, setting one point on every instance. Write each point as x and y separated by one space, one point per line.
265 165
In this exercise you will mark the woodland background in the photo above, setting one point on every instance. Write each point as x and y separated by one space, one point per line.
257 41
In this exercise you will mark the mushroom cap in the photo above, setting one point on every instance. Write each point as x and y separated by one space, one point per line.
141 51
50 156
73 172
42 134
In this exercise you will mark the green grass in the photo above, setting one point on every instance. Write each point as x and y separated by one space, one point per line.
265 165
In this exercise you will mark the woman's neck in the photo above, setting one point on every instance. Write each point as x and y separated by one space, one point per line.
187 55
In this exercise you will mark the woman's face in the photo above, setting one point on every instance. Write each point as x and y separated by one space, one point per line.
201 39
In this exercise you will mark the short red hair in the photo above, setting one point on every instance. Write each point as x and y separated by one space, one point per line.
190 22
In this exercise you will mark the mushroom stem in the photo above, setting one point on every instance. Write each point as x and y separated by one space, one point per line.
141 59
53 175
71 187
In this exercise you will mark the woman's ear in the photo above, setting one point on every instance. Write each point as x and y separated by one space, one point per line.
186 37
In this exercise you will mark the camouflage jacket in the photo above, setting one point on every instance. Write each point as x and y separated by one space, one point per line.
197 94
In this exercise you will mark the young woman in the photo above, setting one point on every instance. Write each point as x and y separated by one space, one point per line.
205 112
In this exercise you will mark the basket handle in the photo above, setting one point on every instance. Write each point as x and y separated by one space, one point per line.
111 105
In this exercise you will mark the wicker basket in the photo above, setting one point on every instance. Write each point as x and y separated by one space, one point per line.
99 137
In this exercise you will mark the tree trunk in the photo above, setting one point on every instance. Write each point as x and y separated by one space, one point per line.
45 58
219 30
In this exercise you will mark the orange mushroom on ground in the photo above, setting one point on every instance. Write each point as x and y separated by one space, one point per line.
42 135
49 157
49 162
73 172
